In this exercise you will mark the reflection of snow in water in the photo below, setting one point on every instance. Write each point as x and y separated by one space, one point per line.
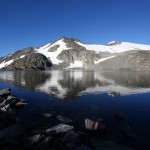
115 90
77 75
79 82
52 85
7 75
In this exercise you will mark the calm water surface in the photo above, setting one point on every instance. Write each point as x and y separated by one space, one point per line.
81 94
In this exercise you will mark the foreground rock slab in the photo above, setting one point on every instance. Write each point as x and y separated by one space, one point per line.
59 129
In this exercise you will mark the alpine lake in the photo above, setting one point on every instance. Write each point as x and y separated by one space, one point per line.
81 94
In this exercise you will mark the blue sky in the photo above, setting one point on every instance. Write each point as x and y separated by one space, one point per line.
25 23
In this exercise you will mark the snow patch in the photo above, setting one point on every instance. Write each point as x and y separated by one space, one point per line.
122 47
103 59
6 63
53 55
22 56
76 64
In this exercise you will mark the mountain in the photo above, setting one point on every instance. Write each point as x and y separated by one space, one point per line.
67 53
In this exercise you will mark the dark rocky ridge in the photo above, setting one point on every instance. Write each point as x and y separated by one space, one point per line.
34 61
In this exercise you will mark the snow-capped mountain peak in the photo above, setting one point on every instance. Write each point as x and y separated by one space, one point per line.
112 43
72 53
52 50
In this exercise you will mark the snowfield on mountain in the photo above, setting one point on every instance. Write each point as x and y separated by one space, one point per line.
68 53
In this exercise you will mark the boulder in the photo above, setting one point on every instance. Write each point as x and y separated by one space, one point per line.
59 129
71 137
43 145
94 126
4 92
29 141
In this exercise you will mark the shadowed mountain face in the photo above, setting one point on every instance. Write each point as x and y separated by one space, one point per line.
69 84
33 61
66 53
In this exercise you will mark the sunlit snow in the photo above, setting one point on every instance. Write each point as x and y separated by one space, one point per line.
122 47
103 59
53 55
5 63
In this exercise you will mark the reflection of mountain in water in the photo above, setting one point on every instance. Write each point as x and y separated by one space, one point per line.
28 79
66 84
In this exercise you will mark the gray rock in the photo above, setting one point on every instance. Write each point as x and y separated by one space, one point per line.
20 104
71 137
29 141
64 119
4 92
44 144
54 48
59 129
34 61
130 60
113 43
46 115
5 108
72 55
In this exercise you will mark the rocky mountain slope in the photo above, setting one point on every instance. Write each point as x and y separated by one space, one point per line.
66 53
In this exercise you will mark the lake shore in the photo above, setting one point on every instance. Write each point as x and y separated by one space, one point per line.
13 135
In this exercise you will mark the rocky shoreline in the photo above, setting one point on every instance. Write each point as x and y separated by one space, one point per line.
14 136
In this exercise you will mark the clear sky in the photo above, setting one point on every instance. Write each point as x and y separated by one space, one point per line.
25 23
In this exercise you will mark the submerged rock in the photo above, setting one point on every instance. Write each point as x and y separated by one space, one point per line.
46 115
29 141
58 129
71 137
127 131
119 116
43 145
63 119
20 104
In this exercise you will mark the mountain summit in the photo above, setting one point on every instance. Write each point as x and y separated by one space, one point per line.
66 53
